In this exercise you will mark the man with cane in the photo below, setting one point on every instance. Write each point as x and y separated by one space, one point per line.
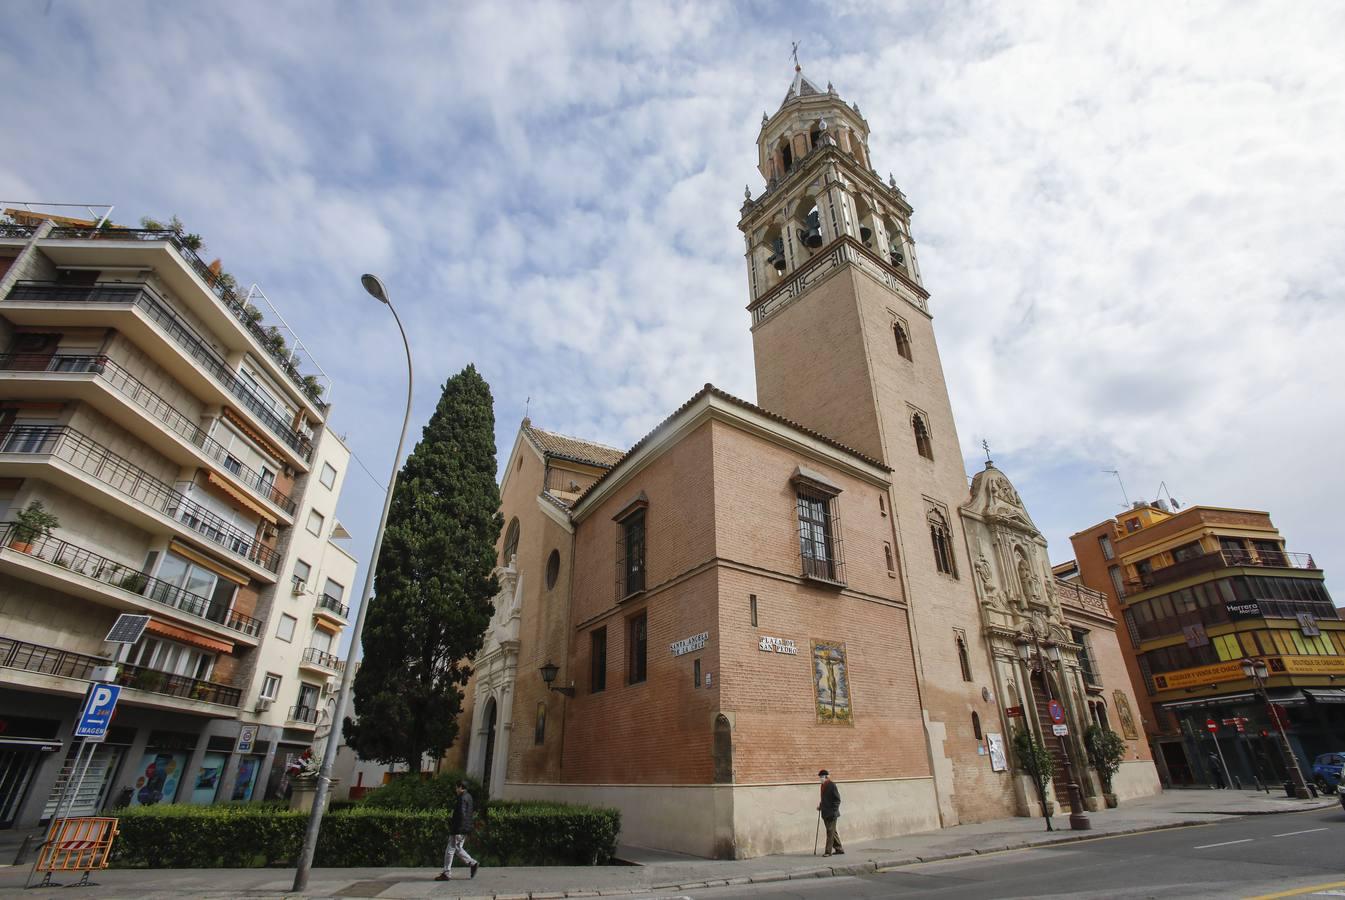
829 810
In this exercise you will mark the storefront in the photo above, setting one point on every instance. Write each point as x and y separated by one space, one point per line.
25 746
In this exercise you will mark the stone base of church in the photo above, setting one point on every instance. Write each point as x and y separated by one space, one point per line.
1136 778
737 821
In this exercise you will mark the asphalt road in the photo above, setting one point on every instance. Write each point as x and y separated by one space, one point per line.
1244 857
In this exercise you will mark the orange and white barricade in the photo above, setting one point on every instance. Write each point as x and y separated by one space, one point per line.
77 845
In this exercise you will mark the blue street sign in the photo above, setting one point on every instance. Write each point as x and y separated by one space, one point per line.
96 716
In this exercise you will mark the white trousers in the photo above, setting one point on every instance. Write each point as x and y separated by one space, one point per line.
455 848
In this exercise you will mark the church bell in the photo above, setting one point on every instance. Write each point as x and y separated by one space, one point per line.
811 236
777 257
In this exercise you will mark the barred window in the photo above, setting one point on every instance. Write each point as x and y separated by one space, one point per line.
815 538
597 678
635 568
637 648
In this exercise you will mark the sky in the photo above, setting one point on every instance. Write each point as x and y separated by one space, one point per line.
1130 216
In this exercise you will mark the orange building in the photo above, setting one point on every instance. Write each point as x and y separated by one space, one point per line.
689 629
1199 590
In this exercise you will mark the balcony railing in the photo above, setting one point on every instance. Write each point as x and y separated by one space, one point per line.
94 459
158 682
306 714
322 658
1219 559
327 601
176 421
90 565
143 297
51 661
221 289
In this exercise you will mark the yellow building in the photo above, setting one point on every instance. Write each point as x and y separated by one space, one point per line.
1200 590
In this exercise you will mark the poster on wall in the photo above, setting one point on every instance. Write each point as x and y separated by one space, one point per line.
995 743
831 683
157 777
206 785
247 777
1122 704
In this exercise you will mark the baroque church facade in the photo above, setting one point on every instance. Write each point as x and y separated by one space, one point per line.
690 628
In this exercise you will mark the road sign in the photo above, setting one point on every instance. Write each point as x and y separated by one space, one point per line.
1057 711
1211 725
1059 730
1014 712
99 705
247 736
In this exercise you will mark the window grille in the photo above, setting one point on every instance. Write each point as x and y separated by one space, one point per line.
630 556
819 537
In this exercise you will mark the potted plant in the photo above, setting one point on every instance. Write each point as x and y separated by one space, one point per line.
148 680
1038 764
134 582
1105 750
30 524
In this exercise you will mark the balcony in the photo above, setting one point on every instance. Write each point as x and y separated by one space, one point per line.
143 490
1219 559
141 298
321 661
329 607
230 304
68 664
1073 595
136 392
85 564
303 715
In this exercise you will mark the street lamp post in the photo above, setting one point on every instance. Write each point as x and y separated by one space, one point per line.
1256 670
1078 819
379 293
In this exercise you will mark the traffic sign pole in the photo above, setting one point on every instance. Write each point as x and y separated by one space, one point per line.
1228 778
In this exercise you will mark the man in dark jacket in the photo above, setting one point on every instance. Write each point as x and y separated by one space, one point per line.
830 808
460 826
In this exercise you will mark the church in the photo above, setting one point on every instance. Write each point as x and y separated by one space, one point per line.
688 629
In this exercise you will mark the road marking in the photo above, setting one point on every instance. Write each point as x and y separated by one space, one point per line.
1315 889
1292 833
1224 844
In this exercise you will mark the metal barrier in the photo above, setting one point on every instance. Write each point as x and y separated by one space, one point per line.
77 844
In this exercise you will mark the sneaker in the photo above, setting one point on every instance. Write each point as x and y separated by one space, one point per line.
840 852
475 866
443 876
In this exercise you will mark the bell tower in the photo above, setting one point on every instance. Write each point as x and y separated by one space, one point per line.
844 344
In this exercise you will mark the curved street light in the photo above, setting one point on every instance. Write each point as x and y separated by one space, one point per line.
375 287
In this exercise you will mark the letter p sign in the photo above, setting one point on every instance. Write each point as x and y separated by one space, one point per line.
96 715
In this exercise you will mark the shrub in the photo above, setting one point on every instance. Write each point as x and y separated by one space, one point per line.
409 791
243 835
1106 750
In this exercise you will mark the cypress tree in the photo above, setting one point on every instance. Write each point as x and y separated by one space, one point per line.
434 583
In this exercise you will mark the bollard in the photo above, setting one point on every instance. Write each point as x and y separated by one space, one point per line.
22 856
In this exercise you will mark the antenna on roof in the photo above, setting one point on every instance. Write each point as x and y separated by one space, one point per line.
1163 488
1121 483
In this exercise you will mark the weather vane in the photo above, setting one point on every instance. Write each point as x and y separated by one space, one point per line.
985 445
795 54
527 405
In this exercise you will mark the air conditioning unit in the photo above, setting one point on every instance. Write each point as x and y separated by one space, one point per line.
300 587
263 704
329 685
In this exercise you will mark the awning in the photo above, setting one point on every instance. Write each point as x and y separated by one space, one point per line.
189 637
257 437
241 497
1325 695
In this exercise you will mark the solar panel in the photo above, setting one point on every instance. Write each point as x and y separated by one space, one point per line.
127 629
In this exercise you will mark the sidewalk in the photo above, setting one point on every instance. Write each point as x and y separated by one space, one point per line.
656 871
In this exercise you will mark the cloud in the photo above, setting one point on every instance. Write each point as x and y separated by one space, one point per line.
1129 217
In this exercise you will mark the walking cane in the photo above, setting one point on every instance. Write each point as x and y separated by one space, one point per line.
816 832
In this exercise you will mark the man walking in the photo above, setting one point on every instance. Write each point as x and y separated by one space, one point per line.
830 809
460 826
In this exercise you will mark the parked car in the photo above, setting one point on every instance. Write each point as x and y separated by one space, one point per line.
1326 770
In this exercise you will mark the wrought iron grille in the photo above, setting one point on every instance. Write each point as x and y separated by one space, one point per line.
820 538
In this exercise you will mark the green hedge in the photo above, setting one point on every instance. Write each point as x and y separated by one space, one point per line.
409 791
239 836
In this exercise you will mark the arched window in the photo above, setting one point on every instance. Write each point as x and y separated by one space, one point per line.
786 153
510 541
903 341
552 569
922 442
810 235
976 726
942 539
962 658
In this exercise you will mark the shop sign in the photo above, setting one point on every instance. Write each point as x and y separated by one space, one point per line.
1013 712
687 645
777 645
247 736
1243 609
1224 671
1310 665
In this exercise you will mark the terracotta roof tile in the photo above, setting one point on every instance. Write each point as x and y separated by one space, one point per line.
573 449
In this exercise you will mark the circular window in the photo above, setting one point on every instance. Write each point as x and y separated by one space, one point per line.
552 569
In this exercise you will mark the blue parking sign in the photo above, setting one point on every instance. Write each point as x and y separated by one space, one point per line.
96 716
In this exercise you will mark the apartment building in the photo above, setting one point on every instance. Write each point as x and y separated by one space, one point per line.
1199 590
191 476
